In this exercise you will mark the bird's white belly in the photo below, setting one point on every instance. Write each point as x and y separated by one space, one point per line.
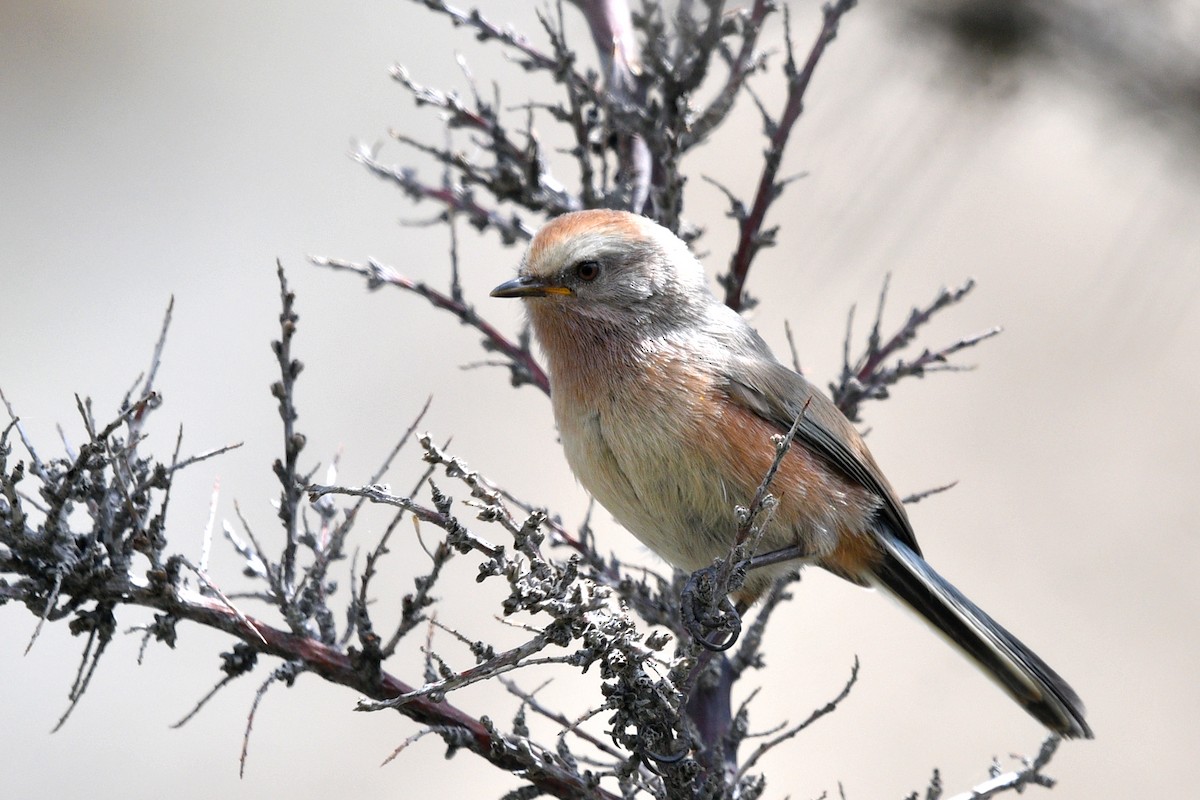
637 469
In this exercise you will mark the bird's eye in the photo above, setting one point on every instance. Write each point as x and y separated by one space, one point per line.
588 270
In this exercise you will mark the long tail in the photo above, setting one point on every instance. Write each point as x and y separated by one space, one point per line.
1029 680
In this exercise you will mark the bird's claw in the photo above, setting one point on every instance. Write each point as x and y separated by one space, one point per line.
704 616
654 761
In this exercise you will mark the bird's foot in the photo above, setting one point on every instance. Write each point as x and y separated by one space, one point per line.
654 761
708 614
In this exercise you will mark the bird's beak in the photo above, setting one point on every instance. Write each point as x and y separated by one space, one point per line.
527 286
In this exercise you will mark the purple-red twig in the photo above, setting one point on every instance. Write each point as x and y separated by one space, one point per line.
524 365
740 68
511 230
751 236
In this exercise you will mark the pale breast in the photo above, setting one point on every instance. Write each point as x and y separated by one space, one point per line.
631 438
657 441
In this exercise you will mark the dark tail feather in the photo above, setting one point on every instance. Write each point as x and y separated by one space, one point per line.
1027 678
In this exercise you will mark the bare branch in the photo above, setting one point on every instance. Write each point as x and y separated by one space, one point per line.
868 378
828 708
286 672
531 57
238 662
752 236
35 463
1016 780
51 599
293 441
523 365
611 25
507 661
741 66
207 454
377 494
917 497
511 230
568 727
156 357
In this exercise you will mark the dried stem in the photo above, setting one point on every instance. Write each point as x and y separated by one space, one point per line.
752 236
522 364
293 442
868 377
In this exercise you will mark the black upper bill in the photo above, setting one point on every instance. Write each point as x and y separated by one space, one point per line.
527 286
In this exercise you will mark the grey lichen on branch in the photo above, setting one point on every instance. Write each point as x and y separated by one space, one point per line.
86 575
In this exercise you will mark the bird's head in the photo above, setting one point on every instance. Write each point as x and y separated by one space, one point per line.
610 268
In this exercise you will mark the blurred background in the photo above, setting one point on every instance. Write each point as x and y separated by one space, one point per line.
151 150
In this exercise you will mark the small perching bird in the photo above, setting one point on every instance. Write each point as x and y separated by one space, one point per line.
666 401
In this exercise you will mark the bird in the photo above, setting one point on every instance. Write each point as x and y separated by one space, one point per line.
666 400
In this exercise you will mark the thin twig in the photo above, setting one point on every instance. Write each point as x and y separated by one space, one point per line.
207 454
258 696
524 366
203 701
100 634
917 497
35 464
206 540
740 68
207 584
868 378
511 659
51 599
529 699
1016 780
156 357
532 58
512 229
285 469
378 494
829 707
751 234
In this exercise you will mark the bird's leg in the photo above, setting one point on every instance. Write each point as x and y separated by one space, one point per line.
705 616
793 552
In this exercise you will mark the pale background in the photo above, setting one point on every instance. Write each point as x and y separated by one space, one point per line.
149 148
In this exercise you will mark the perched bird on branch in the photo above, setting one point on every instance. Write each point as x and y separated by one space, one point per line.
666 401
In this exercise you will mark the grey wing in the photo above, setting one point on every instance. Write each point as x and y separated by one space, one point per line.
778 395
